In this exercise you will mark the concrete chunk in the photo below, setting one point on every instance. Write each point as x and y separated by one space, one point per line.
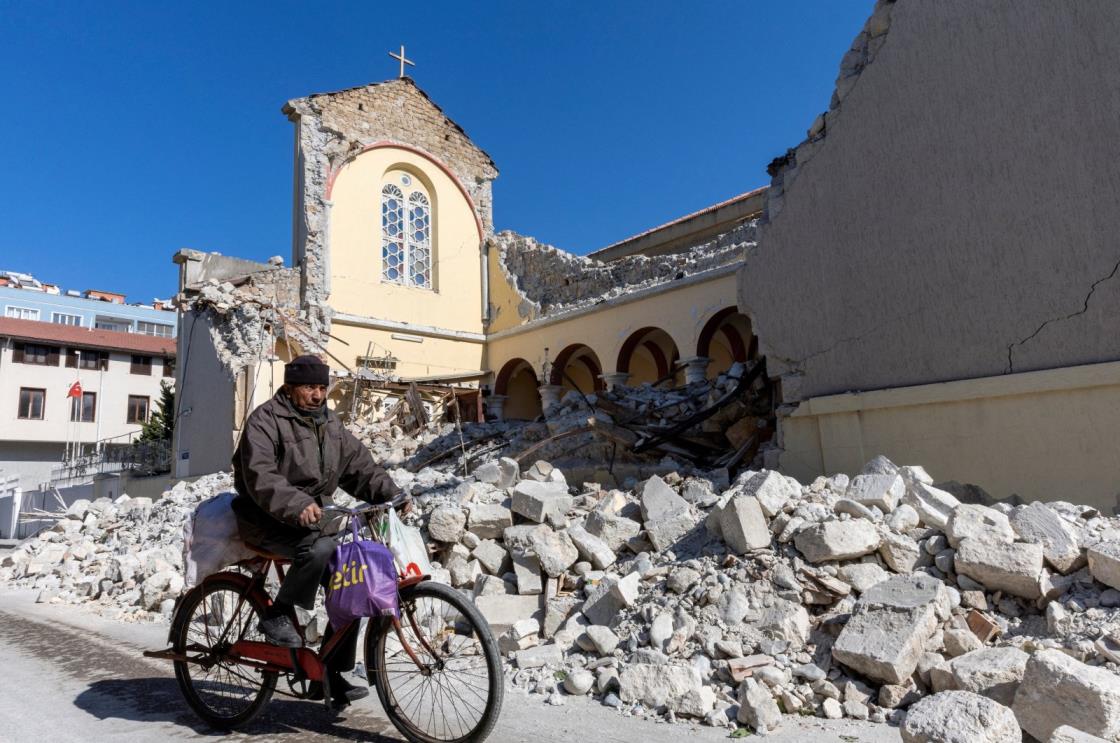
660 501
959 717
743 524
1068 734
1057 690
993 672
614 530
757 707
934 506
502 610
1039 523
447 524
837 540
890 624
528 573
554 550
772 489
489 520
881 491
537 501
656 685
979 522
1013 568
900 552
542 655
1104 563
591 548
492 556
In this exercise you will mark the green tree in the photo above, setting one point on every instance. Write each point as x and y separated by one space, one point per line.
161 423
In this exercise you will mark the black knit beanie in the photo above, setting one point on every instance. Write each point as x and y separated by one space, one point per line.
307 370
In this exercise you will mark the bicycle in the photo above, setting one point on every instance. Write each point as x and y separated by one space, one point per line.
436 669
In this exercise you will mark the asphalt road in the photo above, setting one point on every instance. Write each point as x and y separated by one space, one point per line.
69 675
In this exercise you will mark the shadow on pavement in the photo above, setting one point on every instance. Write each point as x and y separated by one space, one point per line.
159 700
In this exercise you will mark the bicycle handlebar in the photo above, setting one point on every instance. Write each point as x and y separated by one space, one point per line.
366 507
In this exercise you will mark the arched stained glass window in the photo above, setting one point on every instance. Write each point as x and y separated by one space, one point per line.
406 234
392 234
419 240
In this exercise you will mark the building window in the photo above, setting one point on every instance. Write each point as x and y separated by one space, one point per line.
63 318
138 409
153 328
94 360
21 313
31 403
109 323
169 367
142 365
34 353
85 409
406 237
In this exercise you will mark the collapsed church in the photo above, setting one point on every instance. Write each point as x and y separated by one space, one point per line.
932 274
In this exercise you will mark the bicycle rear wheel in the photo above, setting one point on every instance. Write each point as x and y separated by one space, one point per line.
455 694
209 620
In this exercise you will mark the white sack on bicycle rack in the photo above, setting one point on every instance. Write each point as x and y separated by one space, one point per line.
211 540
407 545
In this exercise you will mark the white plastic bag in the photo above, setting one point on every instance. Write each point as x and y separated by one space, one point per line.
211 540
407 545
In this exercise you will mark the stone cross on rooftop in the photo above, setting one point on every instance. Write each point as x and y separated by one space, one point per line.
403 60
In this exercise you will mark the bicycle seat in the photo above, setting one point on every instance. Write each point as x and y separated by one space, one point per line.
261 552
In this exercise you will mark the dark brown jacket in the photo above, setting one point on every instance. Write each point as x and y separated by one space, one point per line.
285 461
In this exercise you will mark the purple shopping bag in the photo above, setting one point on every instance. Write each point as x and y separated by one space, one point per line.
362 581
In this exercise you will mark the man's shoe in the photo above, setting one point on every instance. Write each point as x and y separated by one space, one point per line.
279 630
342 692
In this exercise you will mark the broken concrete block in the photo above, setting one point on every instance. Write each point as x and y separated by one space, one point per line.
492 556
979 522
603 639
542 655
556 612
579 682
659 501
1013 568
656 685
447 524
609 597
489 520
785 620
958 642
900 552
757 707
1068 734
959 716
881 491
1057 690
665 532
772 489
862 575
902 519
591 548
837 540
743 524
554 550
934 506
1104 563
1040 523
528 573
537 501
613 529
993 672
502 610
890 624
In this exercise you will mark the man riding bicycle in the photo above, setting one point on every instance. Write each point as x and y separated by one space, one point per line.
293 454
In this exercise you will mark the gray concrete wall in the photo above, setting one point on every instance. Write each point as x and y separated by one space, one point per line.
203 440
957 213
31 460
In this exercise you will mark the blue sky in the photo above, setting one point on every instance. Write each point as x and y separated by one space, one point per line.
136 129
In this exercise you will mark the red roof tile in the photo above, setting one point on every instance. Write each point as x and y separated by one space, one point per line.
68 335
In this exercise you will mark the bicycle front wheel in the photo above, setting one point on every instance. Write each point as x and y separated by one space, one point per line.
452 691
209 620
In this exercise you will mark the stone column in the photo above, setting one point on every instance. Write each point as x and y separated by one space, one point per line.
495 406
615 379
550 395
696 369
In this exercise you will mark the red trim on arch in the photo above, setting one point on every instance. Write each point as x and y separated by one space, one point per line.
333 174
589 360
509 371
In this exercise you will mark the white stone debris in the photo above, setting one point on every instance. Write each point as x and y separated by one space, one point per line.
683 594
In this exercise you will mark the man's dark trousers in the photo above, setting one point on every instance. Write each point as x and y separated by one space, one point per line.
310 551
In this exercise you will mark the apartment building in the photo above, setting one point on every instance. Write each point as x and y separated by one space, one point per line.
23 297
63 385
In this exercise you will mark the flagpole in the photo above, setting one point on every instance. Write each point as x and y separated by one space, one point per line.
99 404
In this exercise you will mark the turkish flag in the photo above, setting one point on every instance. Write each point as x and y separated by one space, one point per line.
75 390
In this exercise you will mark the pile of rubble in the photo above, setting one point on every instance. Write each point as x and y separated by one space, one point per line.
879 597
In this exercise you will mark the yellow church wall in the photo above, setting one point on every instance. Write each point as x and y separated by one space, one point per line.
504 299
455 301
999 433
680 311
429 357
